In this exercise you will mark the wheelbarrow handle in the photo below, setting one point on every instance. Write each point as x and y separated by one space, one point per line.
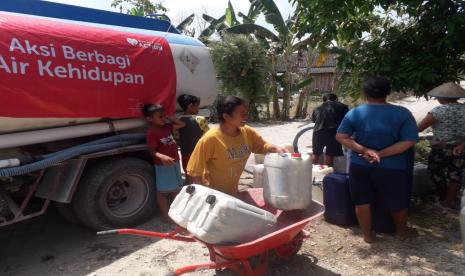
207 266
108 232
305 234
173 235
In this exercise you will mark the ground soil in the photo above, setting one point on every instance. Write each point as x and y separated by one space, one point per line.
50 246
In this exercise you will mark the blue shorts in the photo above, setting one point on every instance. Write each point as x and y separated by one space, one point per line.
168 178
387 187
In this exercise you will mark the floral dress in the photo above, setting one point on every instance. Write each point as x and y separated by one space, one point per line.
448 132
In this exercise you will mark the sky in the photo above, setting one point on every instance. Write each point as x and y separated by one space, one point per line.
180 9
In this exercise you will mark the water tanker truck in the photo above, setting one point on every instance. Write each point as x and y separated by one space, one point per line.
72 83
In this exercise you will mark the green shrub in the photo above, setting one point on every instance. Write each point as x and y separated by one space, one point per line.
422 151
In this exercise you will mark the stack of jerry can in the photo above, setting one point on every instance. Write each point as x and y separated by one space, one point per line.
217 218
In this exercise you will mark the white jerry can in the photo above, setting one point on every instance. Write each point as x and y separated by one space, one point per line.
288 180
227 220
188 203
340 164
320 171
258 171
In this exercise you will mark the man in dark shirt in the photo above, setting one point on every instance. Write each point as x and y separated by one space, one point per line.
327 118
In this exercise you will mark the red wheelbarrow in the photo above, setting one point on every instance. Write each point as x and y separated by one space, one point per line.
251 258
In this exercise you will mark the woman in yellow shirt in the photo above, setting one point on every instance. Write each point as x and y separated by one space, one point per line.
219 157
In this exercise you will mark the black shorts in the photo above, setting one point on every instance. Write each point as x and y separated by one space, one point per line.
326 138
388 187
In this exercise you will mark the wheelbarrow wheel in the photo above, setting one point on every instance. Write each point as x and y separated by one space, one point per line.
285 252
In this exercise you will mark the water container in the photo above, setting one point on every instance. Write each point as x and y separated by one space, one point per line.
258 171
339 208
421 180
289 147
340 164
227 220
183 206
259 158
288 181
320 171
188 203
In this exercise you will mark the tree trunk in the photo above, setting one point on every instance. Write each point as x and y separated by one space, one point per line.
286 106
268 113
274 89
302 105
290 68
305 107
286 96
306 90
299 107
276 108
253 111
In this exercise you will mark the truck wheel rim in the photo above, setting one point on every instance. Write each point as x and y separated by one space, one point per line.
126 195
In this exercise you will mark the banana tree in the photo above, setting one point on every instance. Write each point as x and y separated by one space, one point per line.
228 20
251 16
216 24
183 26
284 43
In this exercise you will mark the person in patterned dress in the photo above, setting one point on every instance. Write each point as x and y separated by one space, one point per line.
448 124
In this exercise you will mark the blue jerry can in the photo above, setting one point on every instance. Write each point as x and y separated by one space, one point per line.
339 208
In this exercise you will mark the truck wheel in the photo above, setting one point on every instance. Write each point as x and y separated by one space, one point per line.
115 193
66 211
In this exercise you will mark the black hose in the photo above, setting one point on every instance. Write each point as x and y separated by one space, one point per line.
297 137
60 156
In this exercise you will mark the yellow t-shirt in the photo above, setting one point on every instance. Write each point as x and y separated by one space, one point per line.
220 159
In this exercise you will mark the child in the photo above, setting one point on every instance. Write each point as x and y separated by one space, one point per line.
196 126
165 152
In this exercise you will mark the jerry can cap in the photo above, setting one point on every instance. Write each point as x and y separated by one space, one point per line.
190 189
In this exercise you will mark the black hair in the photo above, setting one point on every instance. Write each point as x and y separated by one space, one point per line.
227 105
377 87
185 100
149 109
329 96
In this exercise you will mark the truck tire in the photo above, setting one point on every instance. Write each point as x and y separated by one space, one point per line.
66 212
115 193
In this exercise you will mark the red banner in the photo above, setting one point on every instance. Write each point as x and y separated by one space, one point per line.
55 69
